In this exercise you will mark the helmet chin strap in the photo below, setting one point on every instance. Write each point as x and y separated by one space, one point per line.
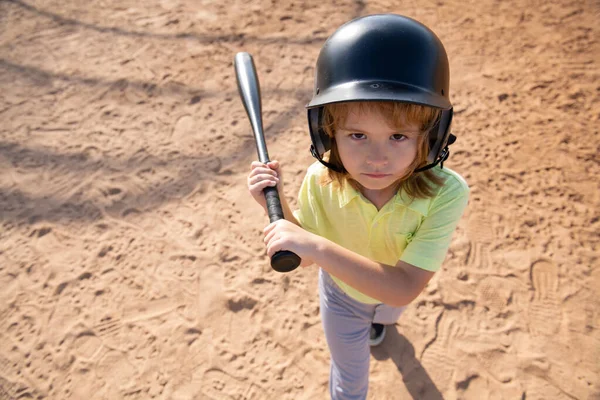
443 156
315 154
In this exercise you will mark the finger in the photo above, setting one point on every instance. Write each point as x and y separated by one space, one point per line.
279 244
274 164
275 229
266 175
262 171
270 251
252 180
256 164
269 228
269 236
259 187
274 246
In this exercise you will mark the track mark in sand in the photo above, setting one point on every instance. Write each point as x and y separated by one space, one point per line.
211 289
218 384
8 389
150 309
184 132
87 345
108 329
115 368
437 359
6 366
25 328
480 228
494 293
241 302
189 390
182 267
498 364
538 388
241 309
481 236
560 372
544 310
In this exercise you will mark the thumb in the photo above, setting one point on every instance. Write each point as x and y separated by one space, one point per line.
274 164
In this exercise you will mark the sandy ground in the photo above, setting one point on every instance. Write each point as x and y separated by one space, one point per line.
131 259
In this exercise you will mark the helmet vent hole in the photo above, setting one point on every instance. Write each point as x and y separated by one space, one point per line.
318 90
442 92
375 86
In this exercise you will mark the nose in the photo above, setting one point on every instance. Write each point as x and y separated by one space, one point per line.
377 157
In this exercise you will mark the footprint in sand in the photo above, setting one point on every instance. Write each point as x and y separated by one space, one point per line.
495 293
24 327
9 386
8 389
109 329
499 364
211 289
184 131
179 267
538 388
481 234
87 346
218 384
437 359
115 367
150 309
544 310
7 367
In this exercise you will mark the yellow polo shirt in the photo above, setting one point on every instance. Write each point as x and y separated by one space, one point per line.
417 232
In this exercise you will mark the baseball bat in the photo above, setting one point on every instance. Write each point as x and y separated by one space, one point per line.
249 88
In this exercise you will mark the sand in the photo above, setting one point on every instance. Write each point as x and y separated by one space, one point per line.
131 256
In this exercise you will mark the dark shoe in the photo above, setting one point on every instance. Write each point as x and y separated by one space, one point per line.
377 334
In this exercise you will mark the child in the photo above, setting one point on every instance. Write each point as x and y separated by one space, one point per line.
377 211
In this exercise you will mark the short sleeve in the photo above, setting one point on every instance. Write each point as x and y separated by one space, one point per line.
307 213
429 245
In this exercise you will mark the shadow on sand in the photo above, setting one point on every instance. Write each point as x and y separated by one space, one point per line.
414 377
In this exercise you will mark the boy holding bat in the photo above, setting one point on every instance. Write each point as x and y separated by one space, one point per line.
377 210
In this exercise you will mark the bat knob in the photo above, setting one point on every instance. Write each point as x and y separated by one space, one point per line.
285 261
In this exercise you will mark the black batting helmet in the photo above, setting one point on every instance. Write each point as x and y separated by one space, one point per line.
385 57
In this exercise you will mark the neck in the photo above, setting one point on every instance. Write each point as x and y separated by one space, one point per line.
380 197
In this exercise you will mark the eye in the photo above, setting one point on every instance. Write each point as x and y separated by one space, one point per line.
398 137
357 136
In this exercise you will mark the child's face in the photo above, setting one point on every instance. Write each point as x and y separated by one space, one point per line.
375 154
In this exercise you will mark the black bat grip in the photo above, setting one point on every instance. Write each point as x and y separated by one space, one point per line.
283 260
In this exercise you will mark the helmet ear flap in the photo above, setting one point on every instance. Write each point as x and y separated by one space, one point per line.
439 136
321 143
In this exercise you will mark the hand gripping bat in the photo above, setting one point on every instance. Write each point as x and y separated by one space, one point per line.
249 88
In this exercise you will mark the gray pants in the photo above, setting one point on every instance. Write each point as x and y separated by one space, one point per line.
347 324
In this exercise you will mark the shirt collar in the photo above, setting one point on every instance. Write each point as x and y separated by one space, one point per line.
347 194
418 205
402 199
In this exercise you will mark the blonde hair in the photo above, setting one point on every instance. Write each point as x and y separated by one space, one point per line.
398 115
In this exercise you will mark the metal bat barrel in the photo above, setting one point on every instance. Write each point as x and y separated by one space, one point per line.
249 88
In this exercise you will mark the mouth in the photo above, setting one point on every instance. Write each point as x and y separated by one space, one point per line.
377 176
